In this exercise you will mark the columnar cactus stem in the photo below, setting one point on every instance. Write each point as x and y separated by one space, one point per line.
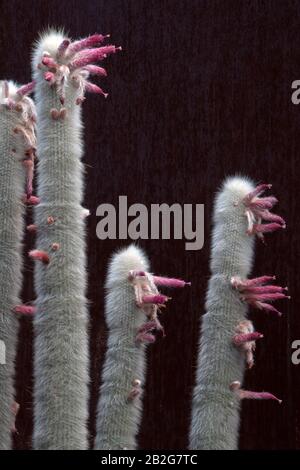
17 146
131 322
60 323
228 338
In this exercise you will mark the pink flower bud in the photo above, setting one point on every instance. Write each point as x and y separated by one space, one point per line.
169 282
39 255
25 309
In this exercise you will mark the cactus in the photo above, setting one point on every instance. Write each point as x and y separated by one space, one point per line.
17 144
132 304
228 337
61 69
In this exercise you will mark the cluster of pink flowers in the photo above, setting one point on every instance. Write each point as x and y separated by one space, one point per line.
25 127
257 293
149 299
74 63
258 210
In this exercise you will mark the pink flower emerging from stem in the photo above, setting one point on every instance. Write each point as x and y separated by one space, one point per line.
29 166
149 299
92 88
74 62
169 282
144 334
135 391
62 48
95 70
31 201
244 339
158 299
15 407
258 210
49 77
91 41
32 228
259 295
25 309
88 56
40 255
242 394
26 89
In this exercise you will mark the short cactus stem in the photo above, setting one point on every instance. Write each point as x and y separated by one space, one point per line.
132 324
257 293
247 394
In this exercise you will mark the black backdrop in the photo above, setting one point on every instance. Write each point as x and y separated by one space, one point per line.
201 90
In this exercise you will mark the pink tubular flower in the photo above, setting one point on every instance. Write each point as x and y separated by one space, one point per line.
31 201
242 394
50 62
88 56
73 63
150 300
25 309
258 295
92 88
169 282
29 166
157 299
62 48
95 70
134 393
26 89
242 338
40 255
258 210
91 41
144 333
32 228
15 407
145 337
49 77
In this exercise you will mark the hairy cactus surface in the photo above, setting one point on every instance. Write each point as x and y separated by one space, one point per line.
228 337
17 149
132 305
61 69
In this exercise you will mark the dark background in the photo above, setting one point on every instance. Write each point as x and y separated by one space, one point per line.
201 90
